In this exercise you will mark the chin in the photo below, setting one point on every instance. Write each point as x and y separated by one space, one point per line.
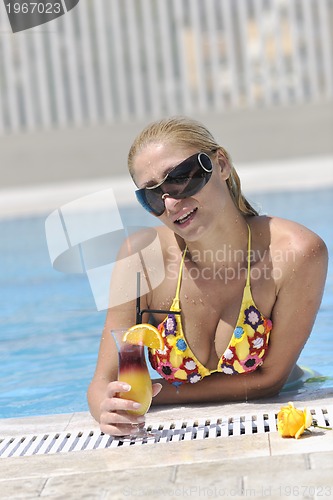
191 234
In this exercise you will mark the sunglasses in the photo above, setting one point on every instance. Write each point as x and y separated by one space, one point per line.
184 180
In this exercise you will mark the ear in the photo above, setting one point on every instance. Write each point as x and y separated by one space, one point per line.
224 165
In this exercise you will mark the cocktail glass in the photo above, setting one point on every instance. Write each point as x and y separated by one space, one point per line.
132 369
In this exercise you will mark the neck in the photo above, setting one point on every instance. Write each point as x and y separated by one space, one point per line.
223 246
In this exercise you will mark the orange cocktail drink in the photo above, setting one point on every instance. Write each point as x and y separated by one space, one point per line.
133 370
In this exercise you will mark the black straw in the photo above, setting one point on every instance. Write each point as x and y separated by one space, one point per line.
138 312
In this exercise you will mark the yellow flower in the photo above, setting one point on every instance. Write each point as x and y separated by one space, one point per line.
292 422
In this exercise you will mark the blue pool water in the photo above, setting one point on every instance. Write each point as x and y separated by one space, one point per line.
50 329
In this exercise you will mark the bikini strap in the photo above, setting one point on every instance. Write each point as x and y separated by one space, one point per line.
176 299
248 257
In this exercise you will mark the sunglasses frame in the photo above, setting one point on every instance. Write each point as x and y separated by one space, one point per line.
141 193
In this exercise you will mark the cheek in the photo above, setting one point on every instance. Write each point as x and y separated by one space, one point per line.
214 195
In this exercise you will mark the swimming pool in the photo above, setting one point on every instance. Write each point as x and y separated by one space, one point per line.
50 327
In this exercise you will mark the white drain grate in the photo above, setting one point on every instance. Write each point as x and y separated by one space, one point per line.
64 442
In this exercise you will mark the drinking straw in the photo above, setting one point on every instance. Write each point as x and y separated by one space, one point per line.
138 312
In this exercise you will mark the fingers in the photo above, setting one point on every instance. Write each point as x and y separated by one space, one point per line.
156 389
119 404
114 417
113 400
114 387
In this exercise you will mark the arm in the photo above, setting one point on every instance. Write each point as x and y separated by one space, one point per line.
299 294
108 409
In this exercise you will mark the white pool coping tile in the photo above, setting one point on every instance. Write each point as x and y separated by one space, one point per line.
262 463
84 421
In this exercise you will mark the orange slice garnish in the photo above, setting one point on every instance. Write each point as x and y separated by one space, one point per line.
144 334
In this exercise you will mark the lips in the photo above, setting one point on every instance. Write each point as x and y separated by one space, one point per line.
185 217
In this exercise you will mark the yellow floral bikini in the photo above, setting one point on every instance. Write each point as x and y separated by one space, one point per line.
245 353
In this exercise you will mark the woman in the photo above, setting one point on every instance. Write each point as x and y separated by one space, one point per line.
243 322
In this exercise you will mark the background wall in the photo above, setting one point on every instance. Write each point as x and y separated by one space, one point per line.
74 92
45 157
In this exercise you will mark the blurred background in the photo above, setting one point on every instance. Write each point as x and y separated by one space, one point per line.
75 91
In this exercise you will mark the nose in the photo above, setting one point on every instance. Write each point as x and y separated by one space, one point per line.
169 202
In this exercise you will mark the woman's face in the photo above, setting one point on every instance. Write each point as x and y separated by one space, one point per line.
188 217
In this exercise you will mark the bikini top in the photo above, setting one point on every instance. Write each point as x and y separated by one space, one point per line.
245 353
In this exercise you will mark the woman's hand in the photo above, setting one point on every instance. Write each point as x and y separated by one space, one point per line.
115 418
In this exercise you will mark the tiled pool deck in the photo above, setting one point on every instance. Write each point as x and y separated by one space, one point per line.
258 465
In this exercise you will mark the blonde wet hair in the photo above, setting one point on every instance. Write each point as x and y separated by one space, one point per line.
187 132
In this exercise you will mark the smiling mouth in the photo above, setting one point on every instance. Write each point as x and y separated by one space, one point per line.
185 217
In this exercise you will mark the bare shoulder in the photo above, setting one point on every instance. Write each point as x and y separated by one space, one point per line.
147 250
296 250
286 234
149 243
135 240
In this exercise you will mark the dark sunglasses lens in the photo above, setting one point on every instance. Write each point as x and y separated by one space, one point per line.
189 177
150 201
183 181
155 201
